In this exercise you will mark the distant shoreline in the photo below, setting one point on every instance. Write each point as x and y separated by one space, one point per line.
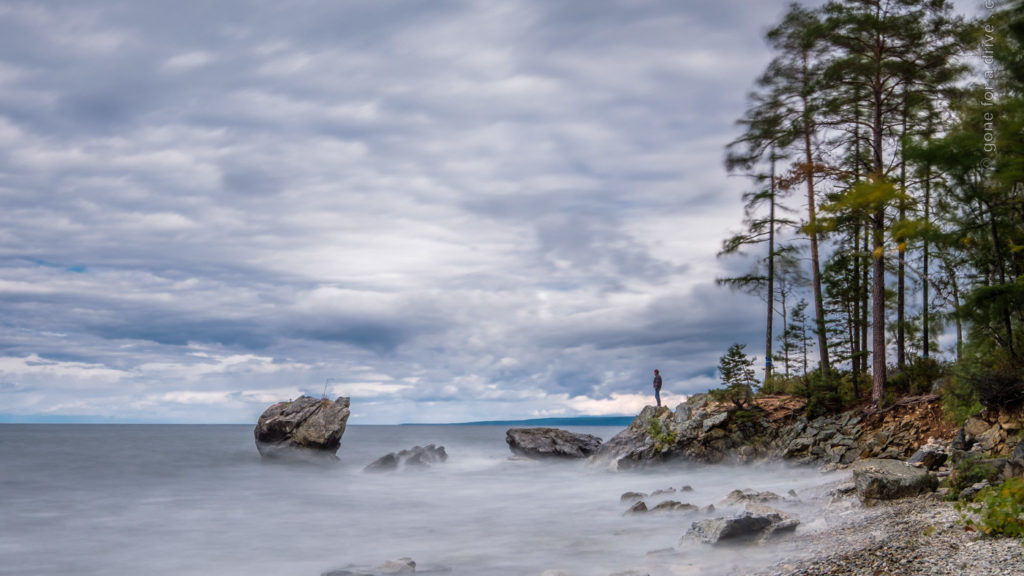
620 421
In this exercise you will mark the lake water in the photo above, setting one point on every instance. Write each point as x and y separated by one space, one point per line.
198 500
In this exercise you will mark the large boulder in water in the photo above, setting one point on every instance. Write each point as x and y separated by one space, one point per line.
305 427
550 443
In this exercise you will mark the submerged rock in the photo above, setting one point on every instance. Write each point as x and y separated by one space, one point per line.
303 428
880 479
674 506
417 456
550 443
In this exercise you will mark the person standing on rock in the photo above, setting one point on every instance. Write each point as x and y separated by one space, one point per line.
657 387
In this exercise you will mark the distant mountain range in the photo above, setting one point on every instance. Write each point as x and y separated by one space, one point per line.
620 421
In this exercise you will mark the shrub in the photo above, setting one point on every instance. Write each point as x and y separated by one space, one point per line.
917 377
737 374
663 438
969 472
997 511
959 400
996 379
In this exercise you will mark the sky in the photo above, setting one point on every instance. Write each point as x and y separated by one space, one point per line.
445 210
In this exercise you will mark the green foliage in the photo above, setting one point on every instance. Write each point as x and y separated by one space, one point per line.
994 377
780 384
970 471
664 438
738 379
828 393
918 377
959 400
997 511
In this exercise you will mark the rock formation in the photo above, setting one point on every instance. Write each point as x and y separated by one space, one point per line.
756 522
881 479
550 443
700 430
305 428
415 457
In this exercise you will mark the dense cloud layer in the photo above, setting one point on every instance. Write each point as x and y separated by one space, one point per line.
447 210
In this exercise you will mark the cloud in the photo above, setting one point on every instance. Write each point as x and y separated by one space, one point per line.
455 210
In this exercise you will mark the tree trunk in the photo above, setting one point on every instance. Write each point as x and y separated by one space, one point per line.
771 276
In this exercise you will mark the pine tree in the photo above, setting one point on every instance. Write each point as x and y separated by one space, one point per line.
738 378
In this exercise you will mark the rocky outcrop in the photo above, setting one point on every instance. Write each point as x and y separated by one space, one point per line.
700 430
415 457
879 479
305 428
550 443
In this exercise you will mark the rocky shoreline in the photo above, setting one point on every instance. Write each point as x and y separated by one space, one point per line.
918 535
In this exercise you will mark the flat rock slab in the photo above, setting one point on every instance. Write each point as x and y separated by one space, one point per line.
550 443
757 522
879 479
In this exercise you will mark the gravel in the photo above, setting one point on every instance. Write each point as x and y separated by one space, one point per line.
911 536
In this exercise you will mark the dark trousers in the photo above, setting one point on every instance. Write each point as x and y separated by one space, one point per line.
657 396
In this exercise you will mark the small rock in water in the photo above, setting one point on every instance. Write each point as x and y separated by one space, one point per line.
418 456
638 508
400 566
742 496
632 497
673 506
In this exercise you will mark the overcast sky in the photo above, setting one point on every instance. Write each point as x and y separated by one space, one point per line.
446 210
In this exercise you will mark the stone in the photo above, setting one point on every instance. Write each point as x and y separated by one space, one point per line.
879 479
400 566
743 496
631 497
305 428
417 456
971 491
757 522
975 427
929 457
1017 458
638 508
673 506
551 443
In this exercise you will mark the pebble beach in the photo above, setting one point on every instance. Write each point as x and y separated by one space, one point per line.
912 536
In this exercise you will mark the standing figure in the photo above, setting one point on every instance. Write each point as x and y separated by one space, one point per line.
657 387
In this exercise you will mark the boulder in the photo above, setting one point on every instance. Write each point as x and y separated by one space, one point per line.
305 428
757 522
971 491
550 443
1017 459
879 479
929 457
417 456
